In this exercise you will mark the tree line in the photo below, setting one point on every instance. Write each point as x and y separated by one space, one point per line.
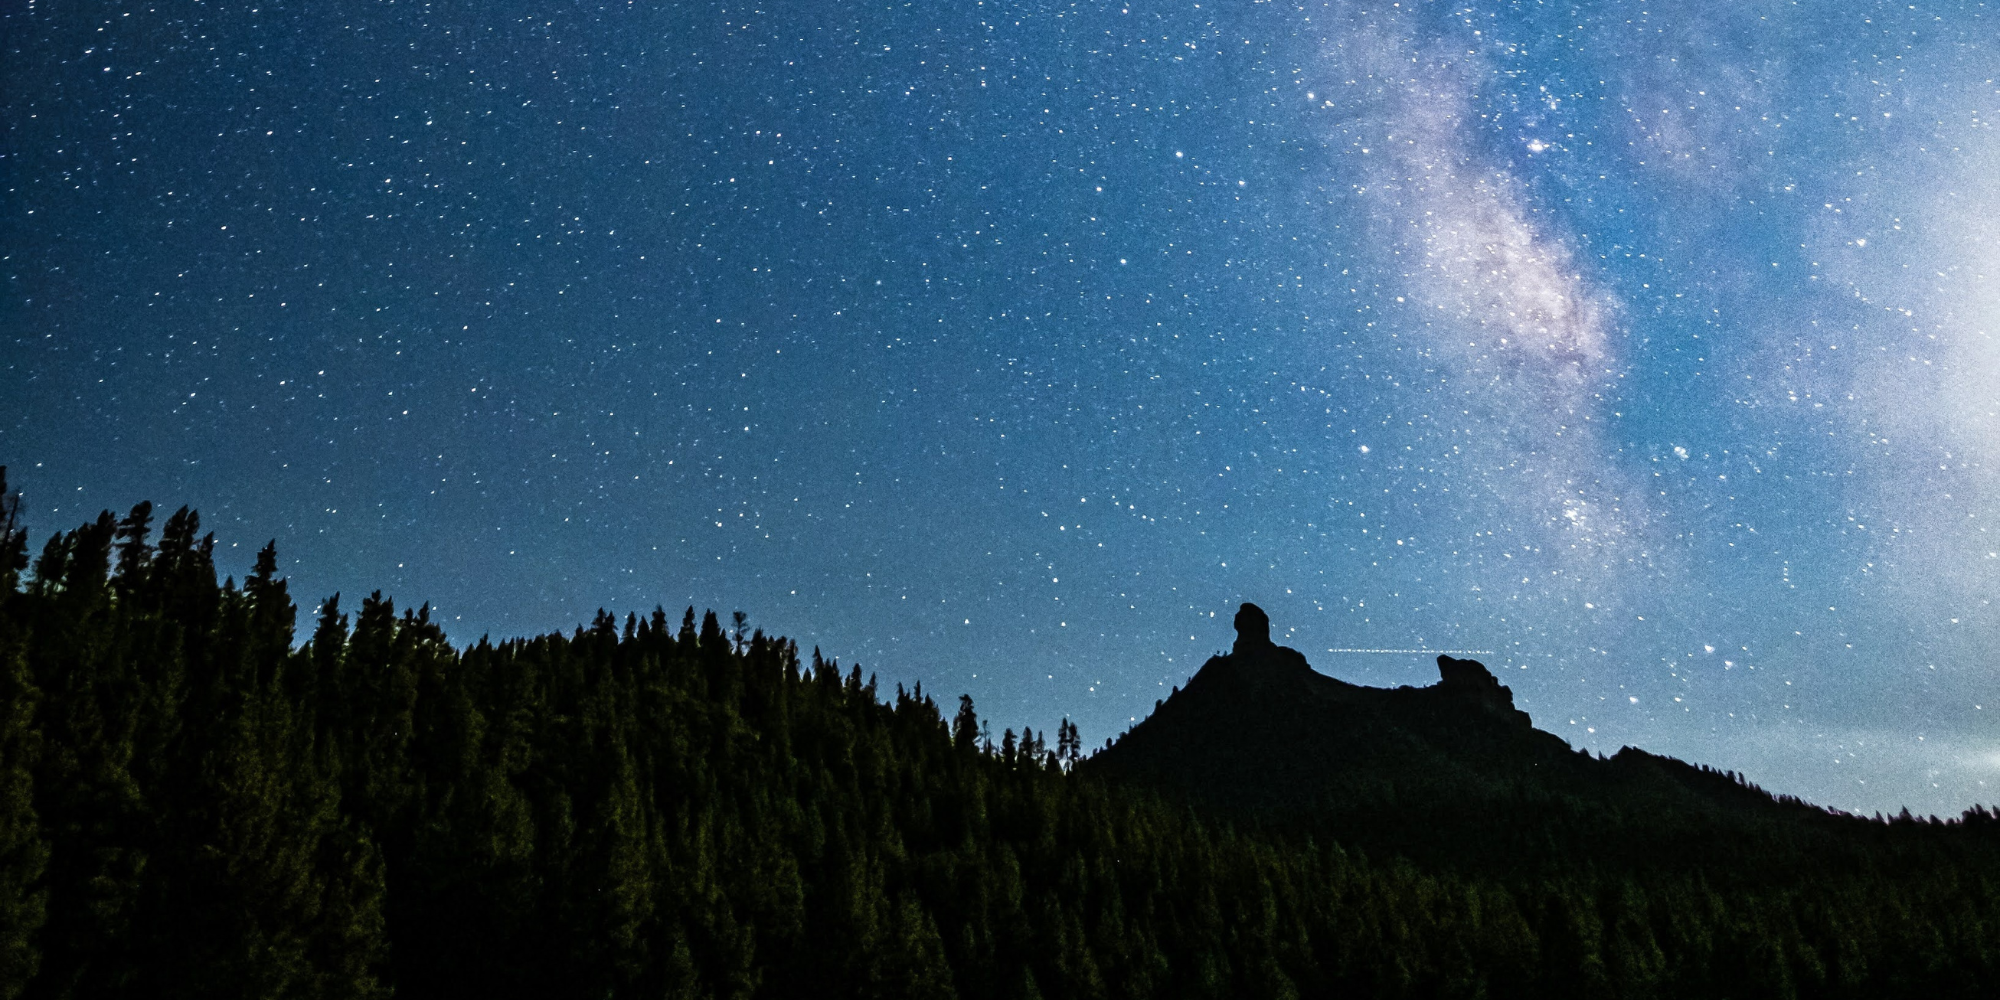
196 801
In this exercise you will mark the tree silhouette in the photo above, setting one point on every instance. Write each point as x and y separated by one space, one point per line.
193 804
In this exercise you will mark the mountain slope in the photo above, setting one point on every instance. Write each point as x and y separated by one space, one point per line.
195 804
1452 771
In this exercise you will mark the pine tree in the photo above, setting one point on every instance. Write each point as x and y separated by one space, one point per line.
964 725
94 814
13 539
134 555
24 851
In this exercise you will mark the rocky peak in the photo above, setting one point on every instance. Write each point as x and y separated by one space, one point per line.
1472 678
1255 663
1253 629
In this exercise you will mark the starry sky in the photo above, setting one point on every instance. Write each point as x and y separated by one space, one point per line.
1006 347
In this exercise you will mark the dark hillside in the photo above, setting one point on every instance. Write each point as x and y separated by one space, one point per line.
1453 773
194 803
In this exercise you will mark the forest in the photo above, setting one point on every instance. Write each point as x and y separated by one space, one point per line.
196 800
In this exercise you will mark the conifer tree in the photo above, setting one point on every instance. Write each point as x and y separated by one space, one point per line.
134 555
13 539
24 850
964 725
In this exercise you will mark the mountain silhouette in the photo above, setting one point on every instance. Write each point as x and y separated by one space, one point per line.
1451 771
194 802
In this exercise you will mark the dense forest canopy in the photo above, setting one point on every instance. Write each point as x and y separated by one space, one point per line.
196 801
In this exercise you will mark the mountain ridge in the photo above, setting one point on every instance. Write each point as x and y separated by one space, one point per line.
1428 770
194 803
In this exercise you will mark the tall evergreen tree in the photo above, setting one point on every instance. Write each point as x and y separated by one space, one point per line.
964 725
24 851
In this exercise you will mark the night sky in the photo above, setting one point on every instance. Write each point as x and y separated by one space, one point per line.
1008 346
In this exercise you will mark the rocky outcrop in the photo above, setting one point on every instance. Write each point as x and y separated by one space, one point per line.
1407 769
1471 679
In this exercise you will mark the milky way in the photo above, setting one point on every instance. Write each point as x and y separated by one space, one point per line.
1008 347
